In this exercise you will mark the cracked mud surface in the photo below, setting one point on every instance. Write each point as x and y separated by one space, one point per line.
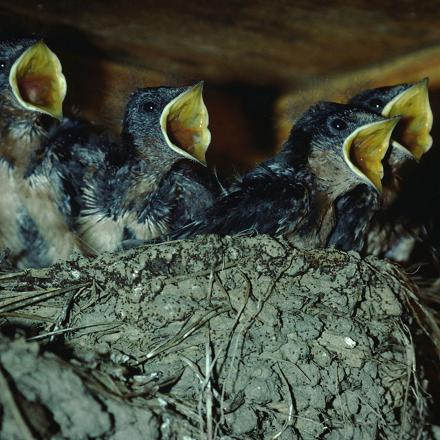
241 338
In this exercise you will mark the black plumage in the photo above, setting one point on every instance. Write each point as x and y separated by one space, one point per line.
411 138
147 184
332 149
395 229
353 215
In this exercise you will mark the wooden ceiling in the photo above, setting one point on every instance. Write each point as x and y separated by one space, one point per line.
260 42
255 55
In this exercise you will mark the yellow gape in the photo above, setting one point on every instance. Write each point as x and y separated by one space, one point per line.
184 123
37 81
412 133
365 148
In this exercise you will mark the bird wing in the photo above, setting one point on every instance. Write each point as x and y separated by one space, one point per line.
195 192
265 201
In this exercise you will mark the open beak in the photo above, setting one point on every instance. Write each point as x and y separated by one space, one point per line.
365 148
184 122
412 133
37 81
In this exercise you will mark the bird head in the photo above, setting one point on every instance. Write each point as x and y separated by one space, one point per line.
175 118
411 102
31 77
346 144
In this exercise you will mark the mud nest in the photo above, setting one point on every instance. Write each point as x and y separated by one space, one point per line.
216 338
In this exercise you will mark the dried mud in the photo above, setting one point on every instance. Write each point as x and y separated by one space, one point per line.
227 338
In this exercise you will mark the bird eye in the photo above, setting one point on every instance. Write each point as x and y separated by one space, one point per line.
148 107
376 103
338 124
2 65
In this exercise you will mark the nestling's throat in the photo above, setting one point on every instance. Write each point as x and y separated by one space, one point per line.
330 172
156 156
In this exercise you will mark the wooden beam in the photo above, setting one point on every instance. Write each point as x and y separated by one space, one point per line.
256 42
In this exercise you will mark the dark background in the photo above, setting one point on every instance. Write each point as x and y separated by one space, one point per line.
263 61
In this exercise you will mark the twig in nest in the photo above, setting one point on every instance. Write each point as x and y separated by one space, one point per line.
62 318
411 373
262 299
28 316
206 387
183 408
196 370
183 333
289 419
209 365
33 273
202 273
424 317
111 325
247 291
421 311
9 276
19 303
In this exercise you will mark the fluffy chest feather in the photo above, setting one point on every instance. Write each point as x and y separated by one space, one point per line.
31 225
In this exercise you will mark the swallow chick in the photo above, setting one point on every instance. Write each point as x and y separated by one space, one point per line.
394 232
32 90
332 149
160 184
411 138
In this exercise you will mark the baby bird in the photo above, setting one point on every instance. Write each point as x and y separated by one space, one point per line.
411 138
394 232
150 183
332 149
32 90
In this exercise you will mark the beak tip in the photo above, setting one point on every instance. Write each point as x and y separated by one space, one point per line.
198 87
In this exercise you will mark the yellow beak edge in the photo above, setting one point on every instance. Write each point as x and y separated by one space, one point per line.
413 132
365 148
37 81
184 123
